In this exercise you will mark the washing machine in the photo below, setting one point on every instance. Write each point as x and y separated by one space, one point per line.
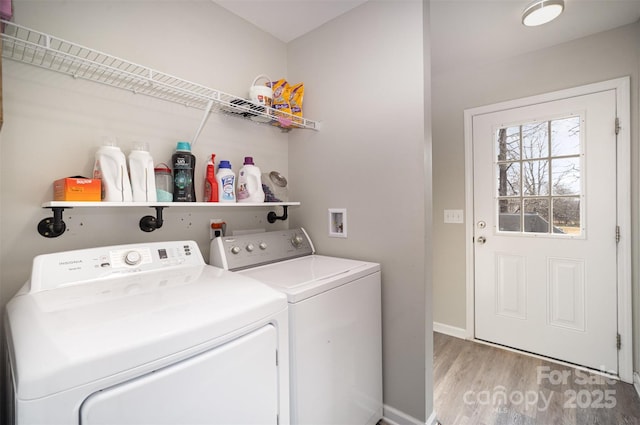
145 334
334 323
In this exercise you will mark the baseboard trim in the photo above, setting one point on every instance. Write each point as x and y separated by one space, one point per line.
450 330
432 420
393 416
636 382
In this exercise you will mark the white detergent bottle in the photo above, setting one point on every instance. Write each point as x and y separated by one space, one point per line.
143 180
226 182
250 182
111 168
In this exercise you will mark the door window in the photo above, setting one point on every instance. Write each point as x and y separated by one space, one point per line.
539 177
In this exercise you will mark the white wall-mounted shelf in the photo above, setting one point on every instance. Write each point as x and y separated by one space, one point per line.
55 226
29 46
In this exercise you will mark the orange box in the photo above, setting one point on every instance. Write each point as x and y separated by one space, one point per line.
76 189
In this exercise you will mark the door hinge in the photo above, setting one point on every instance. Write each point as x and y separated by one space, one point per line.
618 341
276 357
617 234
617 126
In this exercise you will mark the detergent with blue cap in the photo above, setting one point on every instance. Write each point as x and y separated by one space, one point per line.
226 182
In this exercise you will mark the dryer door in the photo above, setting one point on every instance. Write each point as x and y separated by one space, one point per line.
236 383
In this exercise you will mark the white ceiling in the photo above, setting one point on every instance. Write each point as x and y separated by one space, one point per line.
474 31
288 19
462 31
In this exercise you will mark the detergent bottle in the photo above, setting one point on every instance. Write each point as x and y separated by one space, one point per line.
141 171
183 163
226 182
111 168
250 182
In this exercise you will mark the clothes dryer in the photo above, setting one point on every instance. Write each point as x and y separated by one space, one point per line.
334 322
145 334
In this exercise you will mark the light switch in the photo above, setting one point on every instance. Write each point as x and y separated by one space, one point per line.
453 216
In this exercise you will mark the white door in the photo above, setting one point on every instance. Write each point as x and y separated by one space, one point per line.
545 229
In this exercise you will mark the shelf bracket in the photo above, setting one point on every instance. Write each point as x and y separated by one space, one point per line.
207 111
272 216
149 223
52 227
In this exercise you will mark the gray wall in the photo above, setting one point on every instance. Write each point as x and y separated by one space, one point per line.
368 158
54 123
600 57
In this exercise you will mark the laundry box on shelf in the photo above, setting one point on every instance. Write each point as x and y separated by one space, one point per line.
76 189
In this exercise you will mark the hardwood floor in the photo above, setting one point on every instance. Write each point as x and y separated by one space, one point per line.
476 384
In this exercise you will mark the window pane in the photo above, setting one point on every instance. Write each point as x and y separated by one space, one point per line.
535 178
536 215
535 140
538 177
508 144
509 215
566 215
566 176
508 179
565 136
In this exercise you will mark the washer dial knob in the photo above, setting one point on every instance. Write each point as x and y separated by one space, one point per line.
263 245
235 250
296 241
132 258
250 247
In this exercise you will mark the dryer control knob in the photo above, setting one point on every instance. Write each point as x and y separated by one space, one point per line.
249 247
235 250
263 245
132 258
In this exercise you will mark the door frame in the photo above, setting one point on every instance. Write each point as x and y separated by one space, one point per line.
623 176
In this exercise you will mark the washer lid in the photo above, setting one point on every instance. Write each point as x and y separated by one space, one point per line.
73 335
304 277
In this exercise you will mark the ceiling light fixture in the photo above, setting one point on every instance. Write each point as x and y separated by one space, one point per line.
542 11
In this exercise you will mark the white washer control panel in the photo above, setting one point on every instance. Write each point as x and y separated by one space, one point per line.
71 267
244 251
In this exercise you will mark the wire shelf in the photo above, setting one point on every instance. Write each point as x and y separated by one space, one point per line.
29 46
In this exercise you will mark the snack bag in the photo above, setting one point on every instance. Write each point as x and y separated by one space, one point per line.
281 95
295 102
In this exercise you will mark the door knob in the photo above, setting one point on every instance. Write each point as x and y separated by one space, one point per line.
481 240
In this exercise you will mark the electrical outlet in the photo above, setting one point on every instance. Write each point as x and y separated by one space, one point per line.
217 228
453 216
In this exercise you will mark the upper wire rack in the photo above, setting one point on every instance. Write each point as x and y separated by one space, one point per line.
43 50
